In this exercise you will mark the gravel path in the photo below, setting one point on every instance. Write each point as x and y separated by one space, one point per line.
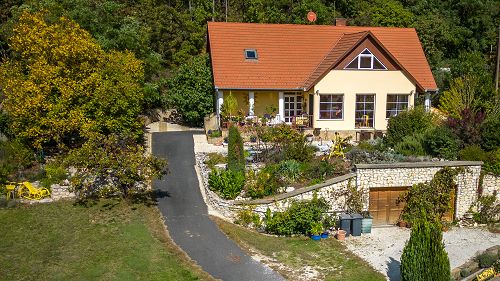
384 246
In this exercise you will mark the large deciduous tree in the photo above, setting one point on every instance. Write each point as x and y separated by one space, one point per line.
61 87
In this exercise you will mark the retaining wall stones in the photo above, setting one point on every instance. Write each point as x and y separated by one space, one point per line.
60 192
491 183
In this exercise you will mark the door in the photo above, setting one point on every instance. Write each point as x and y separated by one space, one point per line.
384 206
293 106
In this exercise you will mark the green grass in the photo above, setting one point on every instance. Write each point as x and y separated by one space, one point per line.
111 240
329 257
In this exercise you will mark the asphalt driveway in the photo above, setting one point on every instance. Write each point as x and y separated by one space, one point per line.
186 216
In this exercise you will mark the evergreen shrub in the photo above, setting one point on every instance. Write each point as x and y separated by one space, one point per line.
235 155
228 184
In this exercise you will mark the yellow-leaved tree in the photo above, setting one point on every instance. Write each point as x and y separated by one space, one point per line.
60 87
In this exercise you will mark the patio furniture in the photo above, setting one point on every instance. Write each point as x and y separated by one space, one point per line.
10 187
28 191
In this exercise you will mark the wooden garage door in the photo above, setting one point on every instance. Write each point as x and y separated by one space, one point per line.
384 206
385 209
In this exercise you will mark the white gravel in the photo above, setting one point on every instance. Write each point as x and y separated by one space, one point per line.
384 246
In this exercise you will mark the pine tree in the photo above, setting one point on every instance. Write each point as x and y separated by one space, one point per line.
235 157
424 257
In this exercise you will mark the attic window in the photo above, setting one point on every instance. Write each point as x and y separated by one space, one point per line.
250 54
366 60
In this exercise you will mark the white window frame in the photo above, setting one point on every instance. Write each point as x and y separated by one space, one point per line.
250 58
396 103
342 104
364 102
372 59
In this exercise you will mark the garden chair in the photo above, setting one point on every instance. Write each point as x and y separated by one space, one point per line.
10 188
28 191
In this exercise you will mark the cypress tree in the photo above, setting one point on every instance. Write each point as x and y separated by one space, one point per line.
235 155
424 257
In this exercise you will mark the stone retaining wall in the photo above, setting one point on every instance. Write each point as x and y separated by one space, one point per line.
60 192
491 183
407 174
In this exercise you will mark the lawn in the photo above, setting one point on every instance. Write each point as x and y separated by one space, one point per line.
111 240
324 260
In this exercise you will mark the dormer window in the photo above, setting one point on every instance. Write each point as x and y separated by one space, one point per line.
251 54
366 60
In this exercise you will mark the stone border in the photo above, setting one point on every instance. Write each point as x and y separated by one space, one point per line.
296 192
419 164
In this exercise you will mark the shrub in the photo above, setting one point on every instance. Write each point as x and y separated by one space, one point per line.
298 218
290 170
490 138
464 272
357 156
407 123
215 158
215 133
299 150
492 163
489 209
424 257
235 153
14 156
54 174
411 145
247 217
263 183
228 184
354 199
467 126
486 260
321 169
430 200
472 153
441 142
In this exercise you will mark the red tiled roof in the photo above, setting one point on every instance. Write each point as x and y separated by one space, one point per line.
293 56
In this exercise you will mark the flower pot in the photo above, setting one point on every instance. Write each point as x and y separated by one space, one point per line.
324 235
366 225
401 223
309 138
315 237
341 234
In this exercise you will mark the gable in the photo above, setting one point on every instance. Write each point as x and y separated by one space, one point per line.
374 48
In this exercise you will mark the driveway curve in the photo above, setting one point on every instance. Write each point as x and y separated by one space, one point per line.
186 215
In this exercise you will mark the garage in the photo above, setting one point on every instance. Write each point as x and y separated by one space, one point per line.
384 206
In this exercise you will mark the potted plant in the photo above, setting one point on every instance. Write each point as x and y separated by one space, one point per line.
341 234
309 137
366 222
316 230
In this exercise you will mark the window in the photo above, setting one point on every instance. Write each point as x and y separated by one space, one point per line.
396 104
365 109
331 106
250 54
366 60
293 106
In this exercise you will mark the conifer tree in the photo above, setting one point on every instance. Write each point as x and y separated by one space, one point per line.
235 157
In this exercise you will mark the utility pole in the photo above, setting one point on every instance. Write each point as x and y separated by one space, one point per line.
226 9
498 61
213 10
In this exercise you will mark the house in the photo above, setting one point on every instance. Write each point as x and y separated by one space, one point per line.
341 78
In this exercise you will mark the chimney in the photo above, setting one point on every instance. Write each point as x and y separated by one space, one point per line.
340 22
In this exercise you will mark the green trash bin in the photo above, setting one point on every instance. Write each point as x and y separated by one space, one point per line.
345 223
356 224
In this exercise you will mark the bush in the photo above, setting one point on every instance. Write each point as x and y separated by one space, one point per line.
472 153
464 272
489 209
247 217
411 145
467 126
299 150
407 123
215 158
235 152
54 173
441 142
492 163
430 200
357 156
215 133
228 184
424 257
490 138
263 183
290 171
14 157
321 169
486 260
298 218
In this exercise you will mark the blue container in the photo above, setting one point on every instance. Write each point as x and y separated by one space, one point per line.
324 235
356 224
366 225
316 237
345 223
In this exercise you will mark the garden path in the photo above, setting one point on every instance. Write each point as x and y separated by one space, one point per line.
186 216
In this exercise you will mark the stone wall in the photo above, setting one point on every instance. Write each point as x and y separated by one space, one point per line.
332 190
407 174
60 192
491 183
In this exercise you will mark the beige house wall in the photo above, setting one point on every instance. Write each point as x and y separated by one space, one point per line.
352 82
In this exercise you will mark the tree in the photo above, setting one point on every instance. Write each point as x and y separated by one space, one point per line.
424 257
407 123
111 165
235 152
60 87
191 92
